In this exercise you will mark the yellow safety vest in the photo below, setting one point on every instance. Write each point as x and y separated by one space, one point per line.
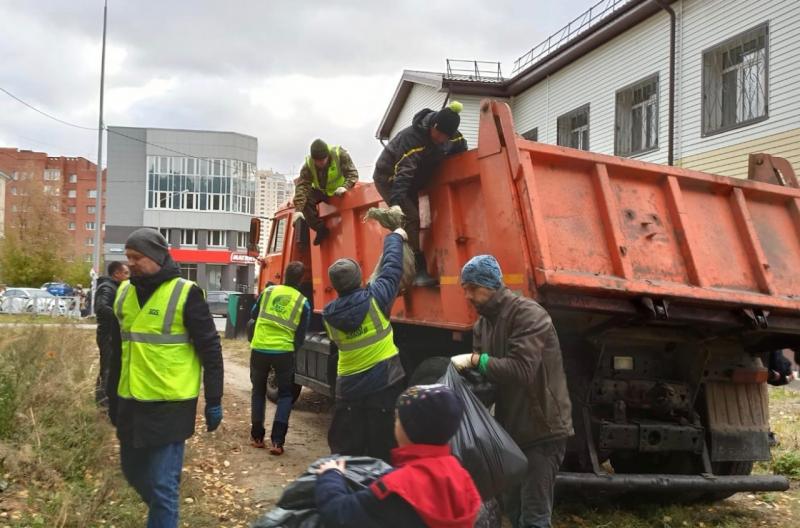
278 319
366 346
159 362
335 177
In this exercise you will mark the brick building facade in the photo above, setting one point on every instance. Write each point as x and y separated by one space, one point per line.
70 181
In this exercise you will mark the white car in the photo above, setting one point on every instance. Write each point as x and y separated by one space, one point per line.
31 300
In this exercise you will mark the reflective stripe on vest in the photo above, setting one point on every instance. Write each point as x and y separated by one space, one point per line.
159 362
335 177
278 319
367 345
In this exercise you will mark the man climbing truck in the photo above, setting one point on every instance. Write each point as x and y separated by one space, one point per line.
666 287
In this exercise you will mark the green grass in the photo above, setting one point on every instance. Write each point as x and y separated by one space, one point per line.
42 319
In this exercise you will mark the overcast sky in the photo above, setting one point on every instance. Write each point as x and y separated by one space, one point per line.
284 72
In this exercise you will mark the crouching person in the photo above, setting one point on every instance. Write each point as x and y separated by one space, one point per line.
428 486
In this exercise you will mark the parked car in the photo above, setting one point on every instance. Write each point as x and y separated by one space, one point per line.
218 302
31 300
59 289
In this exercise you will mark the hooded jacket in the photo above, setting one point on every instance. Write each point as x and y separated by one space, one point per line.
151 424
428 487
348 312
525 363
104 309
409 159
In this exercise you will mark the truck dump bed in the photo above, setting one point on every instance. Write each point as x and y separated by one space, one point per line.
582 225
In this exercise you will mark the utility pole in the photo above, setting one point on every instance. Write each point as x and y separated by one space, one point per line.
98 237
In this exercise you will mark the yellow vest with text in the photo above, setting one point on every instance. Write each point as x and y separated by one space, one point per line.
335 176
159 362
366 346
278 319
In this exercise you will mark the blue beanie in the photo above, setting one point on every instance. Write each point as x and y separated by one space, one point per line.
482 270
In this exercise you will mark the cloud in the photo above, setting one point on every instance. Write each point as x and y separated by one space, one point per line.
285 72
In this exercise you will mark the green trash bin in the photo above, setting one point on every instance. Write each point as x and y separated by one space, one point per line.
239 306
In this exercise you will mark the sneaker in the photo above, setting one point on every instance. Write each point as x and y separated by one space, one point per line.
276 449
257 443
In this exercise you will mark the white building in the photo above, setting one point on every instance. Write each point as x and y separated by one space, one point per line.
272 191
603 84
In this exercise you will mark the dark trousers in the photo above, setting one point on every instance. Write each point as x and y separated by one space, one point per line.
104 346
155 474
260 365
409 203
365 426
530 504
310 211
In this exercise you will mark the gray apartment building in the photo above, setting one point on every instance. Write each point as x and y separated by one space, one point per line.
196 187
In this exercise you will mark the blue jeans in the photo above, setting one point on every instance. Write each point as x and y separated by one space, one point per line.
155 474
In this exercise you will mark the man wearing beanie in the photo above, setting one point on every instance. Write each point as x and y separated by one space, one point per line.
428 486
369 372
327 171
168 343
407 163
515 345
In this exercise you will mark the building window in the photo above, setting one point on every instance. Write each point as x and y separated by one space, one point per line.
52 175
573 128
532 135
242 238
90 241
189 271
188 237
89 226
735 81
636 118
217 238
214 273
13 208
90 209
72 193
71 209
14 190
91 193
73 178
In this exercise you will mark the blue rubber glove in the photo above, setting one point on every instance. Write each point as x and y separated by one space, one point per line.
213 417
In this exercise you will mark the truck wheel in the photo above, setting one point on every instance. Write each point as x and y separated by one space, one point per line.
727 468
272 389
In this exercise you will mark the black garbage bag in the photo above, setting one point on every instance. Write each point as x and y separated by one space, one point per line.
485 449
297 508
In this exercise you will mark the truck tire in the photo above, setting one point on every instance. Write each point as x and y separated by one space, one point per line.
272 389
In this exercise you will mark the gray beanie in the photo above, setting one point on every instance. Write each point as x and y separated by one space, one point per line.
149 243
345 275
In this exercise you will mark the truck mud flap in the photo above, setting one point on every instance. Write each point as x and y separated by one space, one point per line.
645 483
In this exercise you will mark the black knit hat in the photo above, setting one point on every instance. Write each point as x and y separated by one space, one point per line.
446 120
319 149
430 414
149 243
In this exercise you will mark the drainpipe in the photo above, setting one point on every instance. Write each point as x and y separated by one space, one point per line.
666 7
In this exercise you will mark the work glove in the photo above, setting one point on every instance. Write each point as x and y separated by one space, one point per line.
402 232
297 216
339 191
462 362
213 417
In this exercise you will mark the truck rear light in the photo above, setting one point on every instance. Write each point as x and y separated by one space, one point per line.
623 363
742 375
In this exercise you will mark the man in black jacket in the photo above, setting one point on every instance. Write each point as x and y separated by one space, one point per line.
168 341
107 325
406 164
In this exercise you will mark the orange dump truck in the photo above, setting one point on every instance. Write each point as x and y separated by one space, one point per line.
667 288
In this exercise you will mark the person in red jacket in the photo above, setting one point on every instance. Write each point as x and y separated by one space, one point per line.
428 486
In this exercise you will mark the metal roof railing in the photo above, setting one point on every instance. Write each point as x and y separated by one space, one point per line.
590 18
472 70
